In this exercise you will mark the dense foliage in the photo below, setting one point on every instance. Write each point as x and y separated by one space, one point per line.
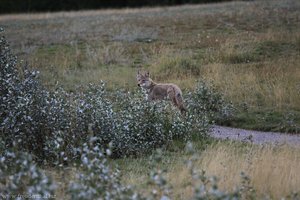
20 177
60 128
8 6
53 125
97 176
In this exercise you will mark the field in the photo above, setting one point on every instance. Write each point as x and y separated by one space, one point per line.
248 50
273 172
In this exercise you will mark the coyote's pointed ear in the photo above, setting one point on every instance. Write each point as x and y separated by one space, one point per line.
147 74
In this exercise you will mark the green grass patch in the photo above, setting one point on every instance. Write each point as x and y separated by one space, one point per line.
271 49
257 52
266 120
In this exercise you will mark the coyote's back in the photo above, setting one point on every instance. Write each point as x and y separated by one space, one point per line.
159 91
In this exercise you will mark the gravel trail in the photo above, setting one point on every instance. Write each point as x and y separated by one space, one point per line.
257 137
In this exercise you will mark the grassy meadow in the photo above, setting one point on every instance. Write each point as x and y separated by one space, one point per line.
272 171
249 50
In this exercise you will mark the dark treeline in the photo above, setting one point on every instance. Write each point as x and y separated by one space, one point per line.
17 6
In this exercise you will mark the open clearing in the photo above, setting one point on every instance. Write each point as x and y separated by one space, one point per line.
249 50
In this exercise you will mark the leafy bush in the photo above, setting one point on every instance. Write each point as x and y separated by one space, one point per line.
207 102
142 124
53 125
20 178
146 125
30 115
97 180
21 97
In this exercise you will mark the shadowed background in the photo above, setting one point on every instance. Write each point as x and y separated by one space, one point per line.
11 6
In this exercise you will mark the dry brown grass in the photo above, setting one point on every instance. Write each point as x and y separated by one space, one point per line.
273 170
260 85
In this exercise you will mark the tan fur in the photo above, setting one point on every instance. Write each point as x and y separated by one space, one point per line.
160 91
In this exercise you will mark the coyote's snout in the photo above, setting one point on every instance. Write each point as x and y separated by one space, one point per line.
159 91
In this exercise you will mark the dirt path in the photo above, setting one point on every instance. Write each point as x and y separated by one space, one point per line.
257 137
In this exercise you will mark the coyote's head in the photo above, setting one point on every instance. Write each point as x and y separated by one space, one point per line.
143 80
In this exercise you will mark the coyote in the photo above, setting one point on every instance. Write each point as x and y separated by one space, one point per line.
159 91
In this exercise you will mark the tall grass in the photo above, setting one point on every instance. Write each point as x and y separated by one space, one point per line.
261 85
272 170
